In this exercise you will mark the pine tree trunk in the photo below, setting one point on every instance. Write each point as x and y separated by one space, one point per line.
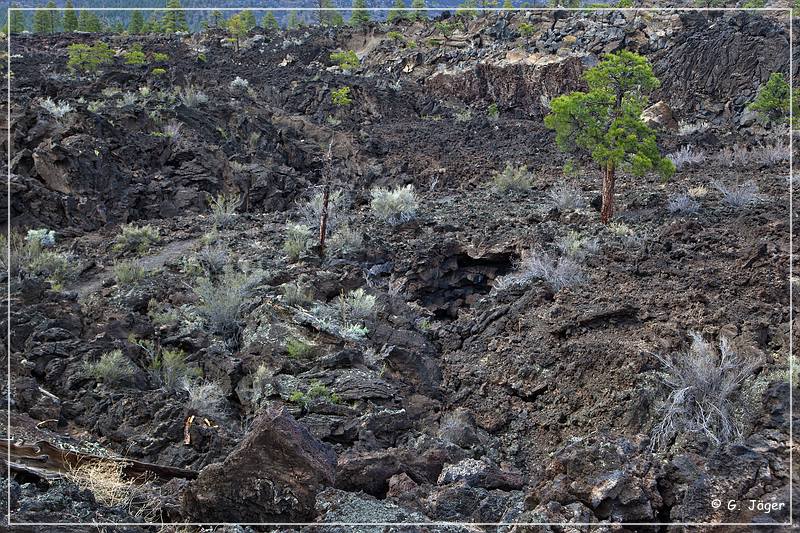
608 194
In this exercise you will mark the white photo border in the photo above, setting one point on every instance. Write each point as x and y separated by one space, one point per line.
789 11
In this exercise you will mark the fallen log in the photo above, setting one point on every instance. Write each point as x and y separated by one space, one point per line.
47 461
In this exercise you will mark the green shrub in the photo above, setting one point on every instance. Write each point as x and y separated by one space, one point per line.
223 208
159 315
158 72
463 115
296 294
493 112
347 60
191 96
221 301
315 391
526 29
160 57
170 368
606 124
345 241
298 240
135 56
112 368
30 259
205 398
395 36
513 179
88 58
394 206
45 237
298 348
341 97
356 306
58 109
135 239
446 28
212 259
127 272
570 169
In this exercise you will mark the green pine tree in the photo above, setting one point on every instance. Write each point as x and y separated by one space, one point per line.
216 15
55 18
419 14
70 17
327 16
17 22
269 22
153 24
174 19
237 29
772 100
88 21
468 9
605 122
248 19
137 23
397 13
293 21
359 16
508 5
39 21
83 20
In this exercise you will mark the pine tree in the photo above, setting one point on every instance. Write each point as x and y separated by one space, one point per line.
468 9
336 19
45 21
236 28
70 18
397 13
772 100
359 16
175 19
39 21
269 22
137 23
88 21
605 122
83 20
17 21
419 14
327 15
508 5
54 18
152 25
217 16
248 19
293 21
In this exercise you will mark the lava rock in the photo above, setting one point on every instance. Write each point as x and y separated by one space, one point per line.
274 475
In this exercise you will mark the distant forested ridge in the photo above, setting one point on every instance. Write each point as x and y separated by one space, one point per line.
197 20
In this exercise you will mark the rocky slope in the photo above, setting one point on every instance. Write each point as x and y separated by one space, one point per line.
468 399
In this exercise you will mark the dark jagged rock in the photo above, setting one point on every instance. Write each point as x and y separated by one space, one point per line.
273 475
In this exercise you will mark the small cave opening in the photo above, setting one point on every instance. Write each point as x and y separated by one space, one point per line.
460 280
